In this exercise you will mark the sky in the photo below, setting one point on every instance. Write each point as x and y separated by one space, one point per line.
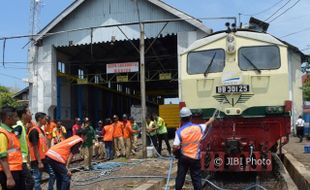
15 20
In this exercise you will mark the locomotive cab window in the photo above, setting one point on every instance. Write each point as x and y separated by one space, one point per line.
259 58
209 61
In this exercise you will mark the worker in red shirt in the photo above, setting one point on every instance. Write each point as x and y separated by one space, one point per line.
76 126
107 133
60 156
118 137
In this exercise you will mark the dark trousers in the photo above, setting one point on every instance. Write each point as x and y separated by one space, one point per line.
37 175
193 165
152 140
300 133
18 178
29 181
61 173
164 137
109 149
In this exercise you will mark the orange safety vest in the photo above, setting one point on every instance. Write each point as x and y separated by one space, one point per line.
15 159
118 129
59 135
49 129
42 144
60 152
108 132
190 136
127 130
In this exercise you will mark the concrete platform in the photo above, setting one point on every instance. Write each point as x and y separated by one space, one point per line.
297 162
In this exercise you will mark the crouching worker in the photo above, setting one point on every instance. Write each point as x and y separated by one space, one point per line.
60 156
186 146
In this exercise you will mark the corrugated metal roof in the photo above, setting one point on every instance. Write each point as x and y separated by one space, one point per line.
107 12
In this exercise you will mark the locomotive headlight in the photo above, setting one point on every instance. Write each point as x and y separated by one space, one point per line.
230 38
231 48
274 109
230 44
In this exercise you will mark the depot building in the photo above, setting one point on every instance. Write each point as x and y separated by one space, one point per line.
86 61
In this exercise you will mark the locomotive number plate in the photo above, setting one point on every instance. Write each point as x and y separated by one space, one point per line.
232 89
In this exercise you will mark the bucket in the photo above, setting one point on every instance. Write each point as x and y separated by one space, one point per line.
149 151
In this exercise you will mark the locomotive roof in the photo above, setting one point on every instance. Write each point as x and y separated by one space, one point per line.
245 33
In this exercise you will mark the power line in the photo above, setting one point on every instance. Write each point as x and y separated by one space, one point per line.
10 76
291 18
293 33
15 68
116 25
285 11
265 10
278 10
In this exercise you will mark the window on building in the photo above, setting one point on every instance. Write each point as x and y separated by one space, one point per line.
119 87
97 79
127 90
81 74
61 67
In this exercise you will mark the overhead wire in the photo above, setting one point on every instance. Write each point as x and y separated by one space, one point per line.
10 76
265 10
285 11
293 33
278 10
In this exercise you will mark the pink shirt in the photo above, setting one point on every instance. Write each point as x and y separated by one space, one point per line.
75 128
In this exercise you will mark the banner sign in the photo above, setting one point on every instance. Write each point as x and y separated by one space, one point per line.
82 81
165 76
123 78
122 67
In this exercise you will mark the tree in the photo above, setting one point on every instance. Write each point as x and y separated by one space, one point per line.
6 97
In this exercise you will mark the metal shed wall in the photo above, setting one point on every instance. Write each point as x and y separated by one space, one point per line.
94 13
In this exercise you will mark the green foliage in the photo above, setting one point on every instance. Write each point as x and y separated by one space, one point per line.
6 97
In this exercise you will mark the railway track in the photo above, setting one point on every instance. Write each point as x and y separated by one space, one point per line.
278 179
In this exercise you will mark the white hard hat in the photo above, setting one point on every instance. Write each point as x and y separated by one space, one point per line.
185 112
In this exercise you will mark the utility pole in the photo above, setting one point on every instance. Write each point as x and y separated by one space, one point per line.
142 88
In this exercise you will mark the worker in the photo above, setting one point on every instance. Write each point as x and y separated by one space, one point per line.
118 137
60 156
135 136
128 132
24 116
151 132
186 147
76 126
99 145
107 133
88 144
162 133
59 133
11 159
49 127
37 148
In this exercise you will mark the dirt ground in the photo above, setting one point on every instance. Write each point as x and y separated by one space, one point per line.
136 166
297 150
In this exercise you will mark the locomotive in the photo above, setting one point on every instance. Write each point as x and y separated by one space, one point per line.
251 81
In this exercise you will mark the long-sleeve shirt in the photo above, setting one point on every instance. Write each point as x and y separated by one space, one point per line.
90 136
